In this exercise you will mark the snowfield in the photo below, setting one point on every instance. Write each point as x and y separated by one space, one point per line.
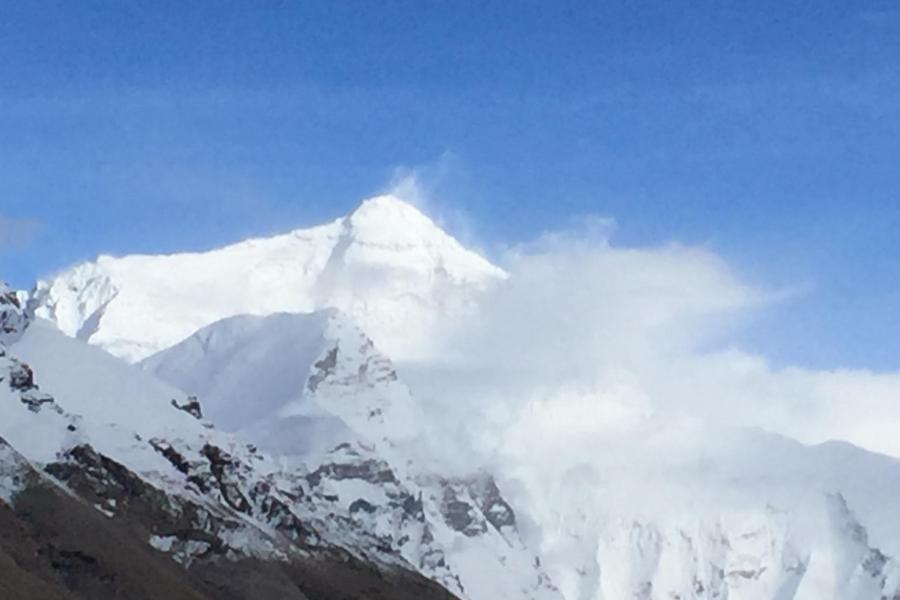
386 265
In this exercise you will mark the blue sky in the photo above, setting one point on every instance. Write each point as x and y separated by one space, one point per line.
768 131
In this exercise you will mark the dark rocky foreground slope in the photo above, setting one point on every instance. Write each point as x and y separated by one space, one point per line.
125 501
57 545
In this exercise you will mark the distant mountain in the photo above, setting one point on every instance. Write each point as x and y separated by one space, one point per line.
386 265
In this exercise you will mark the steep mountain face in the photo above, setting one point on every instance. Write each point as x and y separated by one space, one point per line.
458 531
251 373
270 377
12 315
132 495
386 265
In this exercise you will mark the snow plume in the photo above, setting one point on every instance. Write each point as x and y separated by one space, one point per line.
429 186
418 185
407 184
586 341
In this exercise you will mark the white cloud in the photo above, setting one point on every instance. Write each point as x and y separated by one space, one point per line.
587 341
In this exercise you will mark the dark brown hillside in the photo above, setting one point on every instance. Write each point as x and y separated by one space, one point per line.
55 547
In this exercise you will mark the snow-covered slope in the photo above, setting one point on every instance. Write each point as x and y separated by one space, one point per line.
138 451
386 265
292 382
251 373
274 378
64 397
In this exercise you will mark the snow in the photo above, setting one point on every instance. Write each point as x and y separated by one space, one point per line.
737 501
95 383
386 265
114 400
251 373
112 406
244 368
163 543
125 414
662 508
259 375
651 504
605 431
182 552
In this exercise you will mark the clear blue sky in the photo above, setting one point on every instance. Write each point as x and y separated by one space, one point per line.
769 131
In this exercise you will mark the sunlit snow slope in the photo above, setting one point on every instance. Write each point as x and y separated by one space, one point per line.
252 373
386 265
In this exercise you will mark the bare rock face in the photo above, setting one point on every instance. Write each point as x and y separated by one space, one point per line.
21 377
473 505
432 522
12 315
56 546
191 406
112 534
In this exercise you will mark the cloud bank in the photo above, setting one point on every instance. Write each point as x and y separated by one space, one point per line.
587 343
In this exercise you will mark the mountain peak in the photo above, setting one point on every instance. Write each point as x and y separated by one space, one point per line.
389 219
386 265
388 204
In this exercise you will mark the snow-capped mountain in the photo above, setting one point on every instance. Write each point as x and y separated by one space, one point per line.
274 380
386 265
307 440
